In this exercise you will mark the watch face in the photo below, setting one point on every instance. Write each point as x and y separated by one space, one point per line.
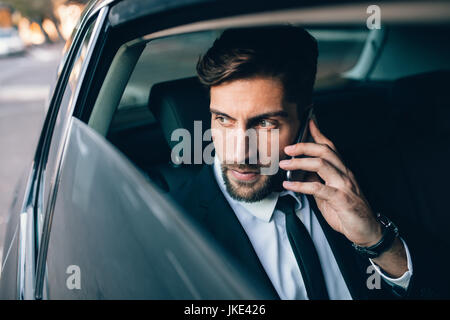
387 224
384 220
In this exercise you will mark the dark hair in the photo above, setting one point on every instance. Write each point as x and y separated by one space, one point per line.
285 52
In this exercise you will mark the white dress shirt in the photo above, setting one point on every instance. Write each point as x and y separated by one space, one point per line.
266 230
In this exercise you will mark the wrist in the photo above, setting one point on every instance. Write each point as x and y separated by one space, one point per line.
389 235
375 235
396 248
394 261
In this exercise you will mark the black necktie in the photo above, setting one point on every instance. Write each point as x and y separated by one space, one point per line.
304 250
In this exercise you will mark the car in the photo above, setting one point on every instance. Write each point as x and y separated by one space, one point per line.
93 218
10 42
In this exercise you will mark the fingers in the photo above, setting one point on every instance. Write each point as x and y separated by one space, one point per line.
318 136
316 150
323 168
316 189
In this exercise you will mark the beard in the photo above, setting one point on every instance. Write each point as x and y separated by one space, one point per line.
251 191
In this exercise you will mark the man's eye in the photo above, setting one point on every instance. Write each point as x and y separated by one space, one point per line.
222 120
265 123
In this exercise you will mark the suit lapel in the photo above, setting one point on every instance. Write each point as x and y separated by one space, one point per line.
346 258
220 219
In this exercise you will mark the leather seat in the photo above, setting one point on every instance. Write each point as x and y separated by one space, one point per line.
395 137
421 111
177 104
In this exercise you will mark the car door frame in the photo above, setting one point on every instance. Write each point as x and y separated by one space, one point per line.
31 251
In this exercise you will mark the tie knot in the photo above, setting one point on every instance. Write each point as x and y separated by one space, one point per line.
286 204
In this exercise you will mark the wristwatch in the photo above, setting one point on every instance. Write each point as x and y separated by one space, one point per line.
390 232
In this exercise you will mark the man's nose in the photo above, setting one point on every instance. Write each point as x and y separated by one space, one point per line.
243 146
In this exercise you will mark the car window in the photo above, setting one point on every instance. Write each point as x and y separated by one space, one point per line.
63 110
176 57
163 60
339 51
75 30
129 123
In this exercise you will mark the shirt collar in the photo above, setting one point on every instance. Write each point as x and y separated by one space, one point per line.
263 209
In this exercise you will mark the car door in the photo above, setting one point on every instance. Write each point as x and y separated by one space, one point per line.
115 236
26 220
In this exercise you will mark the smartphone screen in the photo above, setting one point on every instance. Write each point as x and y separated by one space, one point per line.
303 136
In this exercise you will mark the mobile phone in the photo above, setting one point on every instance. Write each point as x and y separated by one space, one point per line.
304 135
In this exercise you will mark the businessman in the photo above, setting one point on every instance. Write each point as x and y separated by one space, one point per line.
314 238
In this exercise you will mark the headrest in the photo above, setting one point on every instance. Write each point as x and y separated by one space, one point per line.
178 103
421 103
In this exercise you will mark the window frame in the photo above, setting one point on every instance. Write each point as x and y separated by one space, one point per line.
96 18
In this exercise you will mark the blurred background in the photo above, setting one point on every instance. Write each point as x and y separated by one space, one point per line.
32 36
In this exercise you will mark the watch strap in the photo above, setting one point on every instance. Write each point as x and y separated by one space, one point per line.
390 232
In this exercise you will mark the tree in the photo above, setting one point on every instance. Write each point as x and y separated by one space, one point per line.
38 10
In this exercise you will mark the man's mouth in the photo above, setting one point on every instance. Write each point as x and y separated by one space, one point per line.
242 175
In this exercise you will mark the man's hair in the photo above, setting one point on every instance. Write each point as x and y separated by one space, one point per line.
287 53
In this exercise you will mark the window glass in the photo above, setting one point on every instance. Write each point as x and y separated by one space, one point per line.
176 57
64 107
163 60
339 50
132 127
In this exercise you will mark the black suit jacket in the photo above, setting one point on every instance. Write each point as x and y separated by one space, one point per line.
202 198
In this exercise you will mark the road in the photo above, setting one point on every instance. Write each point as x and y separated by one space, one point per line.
25 82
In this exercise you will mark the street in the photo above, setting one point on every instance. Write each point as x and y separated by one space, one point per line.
25 82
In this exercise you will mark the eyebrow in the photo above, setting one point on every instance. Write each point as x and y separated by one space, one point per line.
282 113
220 113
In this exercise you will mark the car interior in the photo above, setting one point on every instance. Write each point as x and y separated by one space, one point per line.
390 124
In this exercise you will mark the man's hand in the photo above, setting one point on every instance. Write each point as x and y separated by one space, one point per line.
339 197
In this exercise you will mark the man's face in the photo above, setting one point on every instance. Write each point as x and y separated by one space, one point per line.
256 104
